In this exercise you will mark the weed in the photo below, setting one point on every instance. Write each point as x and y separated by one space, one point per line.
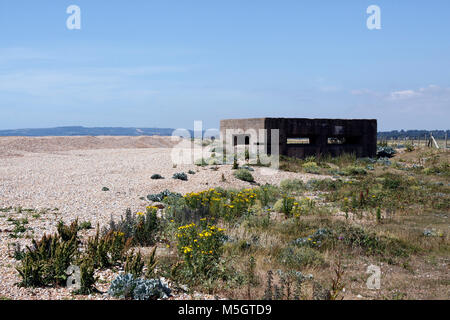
87 278
151 265
85 225
141 228
46 261
134 264
337 282
108 250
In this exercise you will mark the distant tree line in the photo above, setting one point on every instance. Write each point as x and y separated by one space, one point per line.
412 134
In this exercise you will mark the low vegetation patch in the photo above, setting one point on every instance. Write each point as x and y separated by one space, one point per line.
180 176
244 175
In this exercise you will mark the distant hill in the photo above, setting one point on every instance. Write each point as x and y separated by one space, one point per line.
120 131
84 131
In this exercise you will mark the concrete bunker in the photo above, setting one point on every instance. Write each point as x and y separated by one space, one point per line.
302 137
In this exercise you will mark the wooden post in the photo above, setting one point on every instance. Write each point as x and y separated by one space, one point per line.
435 142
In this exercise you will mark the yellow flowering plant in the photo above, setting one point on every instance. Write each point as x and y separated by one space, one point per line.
200 245
302 207
288 205
220 203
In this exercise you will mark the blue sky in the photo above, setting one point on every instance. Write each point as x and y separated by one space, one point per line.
167 63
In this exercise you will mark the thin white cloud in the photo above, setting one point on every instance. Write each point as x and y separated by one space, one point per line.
428 92
22 54
422 107
360 92
404 94
329 89
96 83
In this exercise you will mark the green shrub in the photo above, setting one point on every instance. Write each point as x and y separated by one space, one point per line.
409 147
385 152
32 273
19 227
125 286
443 169
304 206
68 232
178 212
201 247
311 167
200 162
141 227
296 258
287 205
85 225
18 253
244 175
150 265
87 278
213 162
378 215
392 182
180 176
146 227
122 286
134 264
267 194
108 250
46 262
156 176
278 206
292 185
159 197
355 237
325 184
354 170
150 289
371 243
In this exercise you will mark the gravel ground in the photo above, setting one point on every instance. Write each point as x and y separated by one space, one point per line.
65 179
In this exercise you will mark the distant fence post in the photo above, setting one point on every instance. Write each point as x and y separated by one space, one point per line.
433 141
446 137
